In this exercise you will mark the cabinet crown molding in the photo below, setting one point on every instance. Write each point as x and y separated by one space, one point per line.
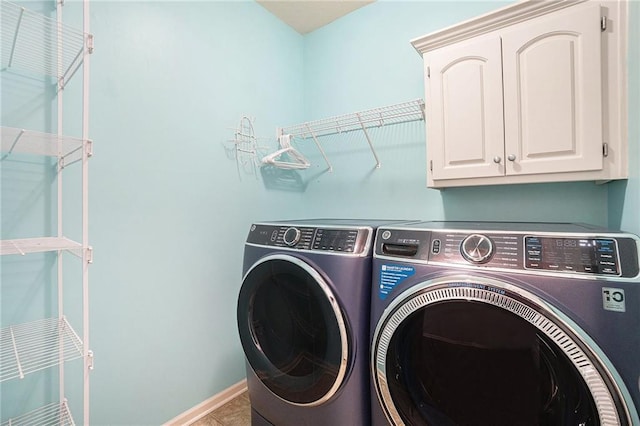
492 21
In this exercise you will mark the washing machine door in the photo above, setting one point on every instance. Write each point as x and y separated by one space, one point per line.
469 351
292 330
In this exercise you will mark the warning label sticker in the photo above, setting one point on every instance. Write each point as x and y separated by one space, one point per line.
391 276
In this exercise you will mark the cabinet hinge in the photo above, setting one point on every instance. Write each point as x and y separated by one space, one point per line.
89 254
603 23
430 165
428 72
605 149
89 148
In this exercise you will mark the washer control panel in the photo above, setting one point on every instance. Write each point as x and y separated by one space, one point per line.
481 249
326 239
578 254
583 255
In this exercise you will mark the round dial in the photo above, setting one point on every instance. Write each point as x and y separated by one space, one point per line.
477 248
291 236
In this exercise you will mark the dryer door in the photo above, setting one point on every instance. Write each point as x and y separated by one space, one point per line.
292 330
472 351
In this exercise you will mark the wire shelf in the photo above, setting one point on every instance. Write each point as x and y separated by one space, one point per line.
57 414
404 112
38 245
15 140
37 345
38 48
377 117
35 43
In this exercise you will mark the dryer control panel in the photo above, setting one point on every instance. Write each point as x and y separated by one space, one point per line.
326 239
606 254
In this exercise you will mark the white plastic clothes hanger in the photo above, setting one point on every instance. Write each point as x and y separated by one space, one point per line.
296 161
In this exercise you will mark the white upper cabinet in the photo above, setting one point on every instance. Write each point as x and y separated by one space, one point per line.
553 93
465 97
534 92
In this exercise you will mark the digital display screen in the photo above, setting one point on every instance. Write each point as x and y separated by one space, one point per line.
336 240
583 255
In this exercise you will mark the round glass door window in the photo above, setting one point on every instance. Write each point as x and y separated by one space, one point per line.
292 330
456 355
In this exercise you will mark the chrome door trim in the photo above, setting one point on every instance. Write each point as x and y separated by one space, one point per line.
333 301
581 350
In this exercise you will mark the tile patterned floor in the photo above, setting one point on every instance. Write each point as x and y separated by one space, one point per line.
236 412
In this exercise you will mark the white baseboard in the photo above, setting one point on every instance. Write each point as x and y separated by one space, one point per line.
207 406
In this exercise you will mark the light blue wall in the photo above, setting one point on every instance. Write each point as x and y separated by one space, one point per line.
624 205
365 60
169 210
169 214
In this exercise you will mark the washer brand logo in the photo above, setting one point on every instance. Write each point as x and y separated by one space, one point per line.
613 299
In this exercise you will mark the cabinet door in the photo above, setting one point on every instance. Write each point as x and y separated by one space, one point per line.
464 95
552 93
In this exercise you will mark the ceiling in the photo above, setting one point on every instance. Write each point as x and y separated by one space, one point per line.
305 16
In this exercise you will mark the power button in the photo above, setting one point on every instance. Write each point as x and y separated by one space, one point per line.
435 246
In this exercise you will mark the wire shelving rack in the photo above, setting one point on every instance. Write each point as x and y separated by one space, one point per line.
404 112
33 44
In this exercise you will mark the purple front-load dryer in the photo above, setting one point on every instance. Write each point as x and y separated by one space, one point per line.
485 323
303 320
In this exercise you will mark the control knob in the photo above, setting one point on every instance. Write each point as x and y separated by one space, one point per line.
291 236
476 248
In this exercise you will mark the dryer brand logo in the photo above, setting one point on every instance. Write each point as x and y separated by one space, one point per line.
613 299
391 276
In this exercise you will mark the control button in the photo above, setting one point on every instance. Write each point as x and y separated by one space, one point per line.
386 235
291 236
435 247
476 248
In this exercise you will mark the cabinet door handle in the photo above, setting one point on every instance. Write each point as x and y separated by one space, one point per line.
497 159
511 157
